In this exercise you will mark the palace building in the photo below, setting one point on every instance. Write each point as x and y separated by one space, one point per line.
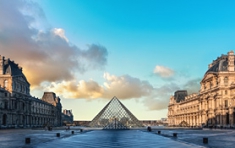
214 105
67 117
17 107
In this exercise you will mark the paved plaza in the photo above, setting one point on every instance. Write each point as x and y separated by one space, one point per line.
15 138
217 138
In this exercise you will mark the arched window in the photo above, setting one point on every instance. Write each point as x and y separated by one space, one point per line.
226 81
5 83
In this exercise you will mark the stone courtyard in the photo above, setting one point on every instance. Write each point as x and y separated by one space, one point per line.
40 138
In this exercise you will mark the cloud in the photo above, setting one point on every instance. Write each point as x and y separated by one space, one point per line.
160 97
95 56
60 32
45 54
82 89
192 86
124 87
163 72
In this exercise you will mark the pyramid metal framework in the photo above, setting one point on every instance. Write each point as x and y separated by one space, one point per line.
115 116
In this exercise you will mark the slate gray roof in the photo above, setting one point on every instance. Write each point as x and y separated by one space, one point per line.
220 64
13 69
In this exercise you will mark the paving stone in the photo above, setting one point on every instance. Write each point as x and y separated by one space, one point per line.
15 138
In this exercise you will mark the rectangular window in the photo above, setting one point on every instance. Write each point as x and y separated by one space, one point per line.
226 103
6 105
226 81
15 105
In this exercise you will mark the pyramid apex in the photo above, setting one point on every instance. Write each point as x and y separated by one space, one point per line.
114 98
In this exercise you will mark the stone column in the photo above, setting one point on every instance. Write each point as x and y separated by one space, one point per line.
221 118
203 117
189 120
192 120
230 116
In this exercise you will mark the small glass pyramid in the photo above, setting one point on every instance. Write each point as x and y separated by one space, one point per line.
115 116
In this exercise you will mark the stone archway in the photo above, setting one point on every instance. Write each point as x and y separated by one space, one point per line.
183 124
4 119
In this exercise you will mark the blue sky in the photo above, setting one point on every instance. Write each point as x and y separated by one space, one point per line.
140 51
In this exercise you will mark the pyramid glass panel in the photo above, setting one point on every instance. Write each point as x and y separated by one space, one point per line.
115 116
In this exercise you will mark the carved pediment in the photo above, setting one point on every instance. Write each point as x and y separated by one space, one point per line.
208 77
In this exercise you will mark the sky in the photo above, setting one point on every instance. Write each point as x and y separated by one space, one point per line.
142 51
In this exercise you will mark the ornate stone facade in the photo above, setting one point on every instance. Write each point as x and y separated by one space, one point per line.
67 117
17 107
214 105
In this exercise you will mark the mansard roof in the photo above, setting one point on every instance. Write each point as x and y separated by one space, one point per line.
220 64
13 69
68 112
51 98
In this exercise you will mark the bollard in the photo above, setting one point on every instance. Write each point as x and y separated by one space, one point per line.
174 134
159 132
57 134
27 140
72 132
205 140
81 130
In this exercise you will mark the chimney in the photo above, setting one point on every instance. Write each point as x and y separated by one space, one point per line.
2 58
231 61
209 66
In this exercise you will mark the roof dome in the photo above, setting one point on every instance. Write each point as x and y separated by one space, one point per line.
220 64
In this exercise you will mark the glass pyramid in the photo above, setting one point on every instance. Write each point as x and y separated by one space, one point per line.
115 116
